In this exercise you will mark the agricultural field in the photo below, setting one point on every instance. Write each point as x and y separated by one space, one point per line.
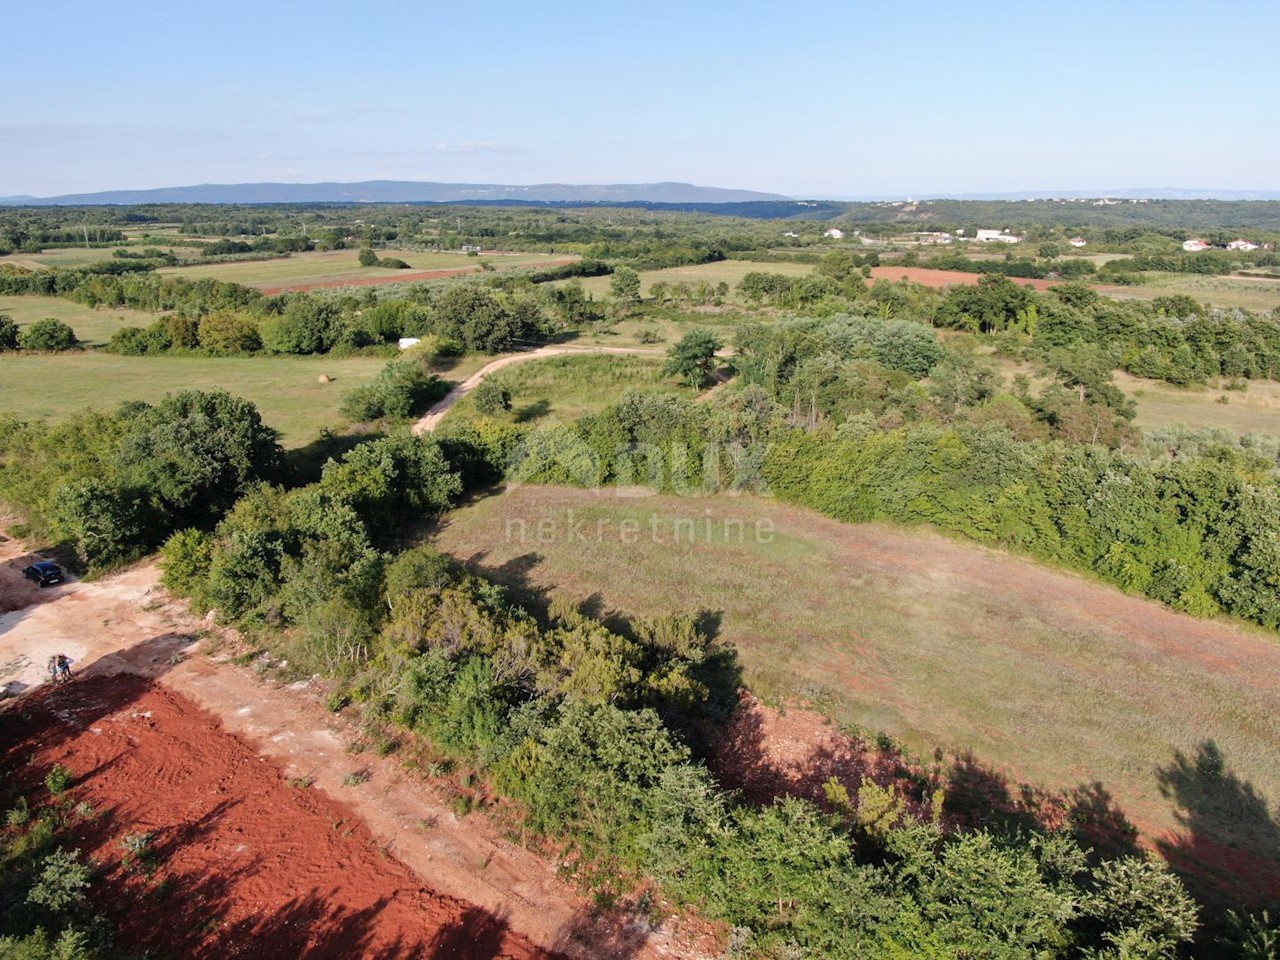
567 387
335 267
1248 293
286 390
727 271
93 325
1055 679
1255 409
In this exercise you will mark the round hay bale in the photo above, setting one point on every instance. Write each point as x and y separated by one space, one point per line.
324 378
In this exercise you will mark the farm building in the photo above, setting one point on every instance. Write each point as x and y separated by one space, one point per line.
1195 245
1078 242
1242 245
835 233
997 236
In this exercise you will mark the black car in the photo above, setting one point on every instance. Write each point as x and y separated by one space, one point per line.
45 573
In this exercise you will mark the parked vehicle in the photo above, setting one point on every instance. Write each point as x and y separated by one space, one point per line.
45 573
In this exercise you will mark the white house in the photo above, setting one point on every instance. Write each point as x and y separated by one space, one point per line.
1241 245
997 236
1195 245
835 233
1078 242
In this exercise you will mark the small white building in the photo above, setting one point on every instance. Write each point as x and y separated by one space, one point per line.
407 342
1195 245
1078 242
1241 245
835 233
997 236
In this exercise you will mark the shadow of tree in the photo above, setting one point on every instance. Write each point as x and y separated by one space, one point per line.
1228 853
533 411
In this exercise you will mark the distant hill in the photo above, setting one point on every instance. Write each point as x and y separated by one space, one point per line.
404 191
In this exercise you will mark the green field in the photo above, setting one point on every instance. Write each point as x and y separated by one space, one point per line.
1247 293
93 325
728 271
338 266
568 387
1053 678
1253 410
286 390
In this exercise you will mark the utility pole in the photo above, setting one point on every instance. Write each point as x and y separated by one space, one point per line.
86 236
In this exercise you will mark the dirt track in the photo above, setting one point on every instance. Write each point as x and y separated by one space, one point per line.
432 418
123 632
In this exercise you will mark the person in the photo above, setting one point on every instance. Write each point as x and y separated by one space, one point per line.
64 666
53 669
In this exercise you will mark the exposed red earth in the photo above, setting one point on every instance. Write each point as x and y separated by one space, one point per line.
276 839
244 863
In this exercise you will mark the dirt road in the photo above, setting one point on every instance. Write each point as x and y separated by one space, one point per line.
126 627
433 416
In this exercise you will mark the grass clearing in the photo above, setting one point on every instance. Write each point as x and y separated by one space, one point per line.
93 325
335 266
569 386
728 271
286 390
1054 678
1255 409
1248 293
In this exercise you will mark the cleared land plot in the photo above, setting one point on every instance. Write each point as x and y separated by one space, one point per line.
727 271
567 387
286 390
1160 404
1248 293
93 325
1056 679
338 266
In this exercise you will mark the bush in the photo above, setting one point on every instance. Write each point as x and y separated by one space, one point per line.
63 880
59 780
399 390
48 334
367 257
8 333
491 397
228 332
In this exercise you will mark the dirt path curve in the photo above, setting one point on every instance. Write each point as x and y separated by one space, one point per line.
432 418
127 623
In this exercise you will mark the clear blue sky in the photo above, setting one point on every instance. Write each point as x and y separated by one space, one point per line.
807 99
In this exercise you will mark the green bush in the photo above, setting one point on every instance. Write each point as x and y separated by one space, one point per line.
48 335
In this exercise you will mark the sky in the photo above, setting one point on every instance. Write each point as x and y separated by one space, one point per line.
812 99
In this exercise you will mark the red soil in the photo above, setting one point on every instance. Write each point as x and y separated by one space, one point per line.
394 277
246 864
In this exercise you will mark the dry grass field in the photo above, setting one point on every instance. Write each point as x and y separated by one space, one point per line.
286 390
1055 679
93 325
337 266
1255 409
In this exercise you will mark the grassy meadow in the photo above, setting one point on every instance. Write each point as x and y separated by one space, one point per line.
1055 679
1255 409
286 390
93 325
1248 293
570 386
337 266
728 271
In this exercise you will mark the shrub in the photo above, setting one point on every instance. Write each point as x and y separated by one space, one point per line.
59 780
8 333
63 879
48 334
367 257
227 332
491 397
